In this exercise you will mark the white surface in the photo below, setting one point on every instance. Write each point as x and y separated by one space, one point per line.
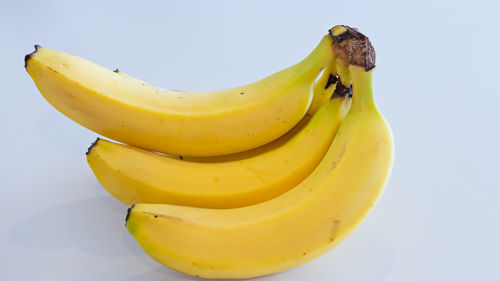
436 82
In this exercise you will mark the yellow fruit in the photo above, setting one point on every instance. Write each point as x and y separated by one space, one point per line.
291 229
134 175
128 110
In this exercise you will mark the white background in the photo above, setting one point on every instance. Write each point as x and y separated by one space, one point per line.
436 82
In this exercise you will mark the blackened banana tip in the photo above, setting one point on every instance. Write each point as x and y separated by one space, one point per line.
91 146
128 214
28 56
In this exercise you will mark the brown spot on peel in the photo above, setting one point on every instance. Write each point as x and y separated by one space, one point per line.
334 164
161 216
131 200
334 230
55 71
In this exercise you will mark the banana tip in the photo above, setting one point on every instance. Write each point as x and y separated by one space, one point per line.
91 146
128 213
28 56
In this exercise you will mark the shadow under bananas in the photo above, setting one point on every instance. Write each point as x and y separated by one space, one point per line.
92 225
161 273
364 254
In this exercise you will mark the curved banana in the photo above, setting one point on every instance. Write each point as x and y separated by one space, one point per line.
323 88
220 122
134 175
286 231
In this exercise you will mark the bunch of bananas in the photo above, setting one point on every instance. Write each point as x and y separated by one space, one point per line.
240 182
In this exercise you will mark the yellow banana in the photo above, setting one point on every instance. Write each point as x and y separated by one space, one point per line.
291 229
323 88
220 122
134 175
332 80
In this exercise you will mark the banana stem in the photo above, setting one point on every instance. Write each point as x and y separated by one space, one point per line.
362 92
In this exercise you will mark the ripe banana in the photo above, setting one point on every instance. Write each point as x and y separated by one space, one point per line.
134 175
220 122
323 88
297 226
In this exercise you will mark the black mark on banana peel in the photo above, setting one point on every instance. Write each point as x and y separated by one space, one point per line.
28 56
91 146
334 164
176 219
334 230
116 70
342 90
55 71
332 79
353 46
